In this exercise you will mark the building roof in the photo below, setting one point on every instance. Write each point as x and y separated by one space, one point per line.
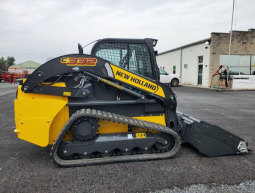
28 64
238 31
186 46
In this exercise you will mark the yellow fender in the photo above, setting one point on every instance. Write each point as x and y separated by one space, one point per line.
39 118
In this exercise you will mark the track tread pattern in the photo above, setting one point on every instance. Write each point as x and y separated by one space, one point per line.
116 118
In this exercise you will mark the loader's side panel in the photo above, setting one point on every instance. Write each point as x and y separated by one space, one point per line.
58 124
106 126
34 115
161 119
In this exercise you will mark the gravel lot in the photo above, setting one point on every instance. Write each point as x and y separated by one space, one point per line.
7 88
246 187
25 167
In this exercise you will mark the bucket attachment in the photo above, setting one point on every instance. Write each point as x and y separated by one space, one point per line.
209 139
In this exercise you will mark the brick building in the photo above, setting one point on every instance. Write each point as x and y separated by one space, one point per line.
197 62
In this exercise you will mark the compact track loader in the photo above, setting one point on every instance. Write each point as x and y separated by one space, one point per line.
110 107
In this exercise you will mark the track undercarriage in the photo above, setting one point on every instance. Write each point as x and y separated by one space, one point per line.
116 147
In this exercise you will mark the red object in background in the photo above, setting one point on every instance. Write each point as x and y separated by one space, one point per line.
13 75
218 71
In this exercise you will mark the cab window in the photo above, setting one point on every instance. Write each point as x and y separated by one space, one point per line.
133 57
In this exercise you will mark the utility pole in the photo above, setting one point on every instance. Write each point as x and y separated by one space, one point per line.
230 38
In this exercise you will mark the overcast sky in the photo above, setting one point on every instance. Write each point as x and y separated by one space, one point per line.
36 30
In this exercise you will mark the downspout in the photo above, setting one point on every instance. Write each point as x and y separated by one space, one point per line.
181 65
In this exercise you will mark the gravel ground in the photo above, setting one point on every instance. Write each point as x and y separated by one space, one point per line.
246 187
6 85
7 88
25 167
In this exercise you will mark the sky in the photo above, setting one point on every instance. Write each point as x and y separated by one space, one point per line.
39 30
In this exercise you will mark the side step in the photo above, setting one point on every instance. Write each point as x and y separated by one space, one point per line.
209 139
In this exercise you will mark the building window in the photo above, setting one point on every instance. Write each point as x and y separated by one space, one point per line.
200 70
253 65
239 64
174 69
200 59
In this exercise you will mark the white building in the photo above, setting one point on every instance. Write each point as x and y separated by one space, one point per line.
28 66
197 62
190 61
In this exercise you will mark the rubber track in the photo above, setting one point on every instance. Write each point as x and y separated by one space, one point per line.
120 119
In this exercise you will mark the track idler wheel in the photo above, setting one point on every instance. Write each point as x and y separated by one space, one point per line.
62 149
166 143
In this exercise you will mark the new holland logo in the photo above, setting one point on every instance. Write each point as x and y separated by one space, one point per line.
136 80
79 61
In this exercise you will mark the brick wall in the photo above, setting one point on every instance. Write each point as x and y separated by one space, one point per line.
243 43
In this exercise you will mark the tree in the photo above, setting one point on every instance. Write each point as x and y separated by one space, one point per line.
2 64
10 61
5 64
